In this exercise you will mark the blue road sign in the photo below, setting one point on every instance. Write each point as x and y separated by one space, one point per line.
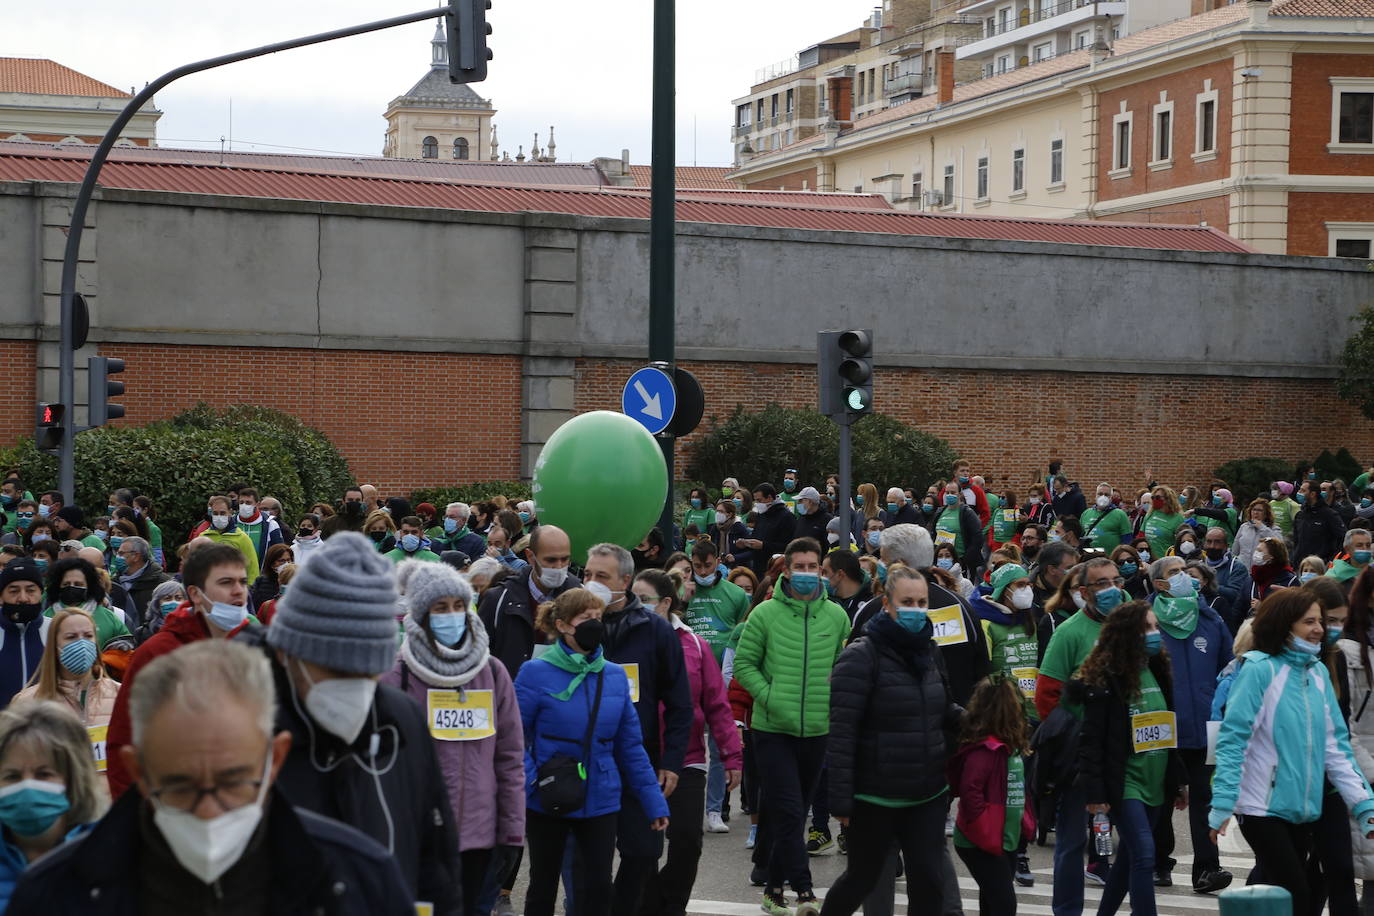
649 399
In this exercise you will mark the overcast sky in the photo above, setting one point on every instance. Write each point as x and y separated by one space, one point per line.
583 67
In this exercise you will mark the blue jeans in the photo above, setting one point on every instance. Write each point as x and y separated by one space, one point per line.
1134 868
715 777
1070 841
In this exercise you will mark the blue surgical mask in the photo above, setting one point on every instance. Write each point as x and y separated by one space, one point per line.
43 510
1366 502
945 563
1218 501
1333 633
696 504
913 619
738 501
1306 577
951 499
410 543
110 510
704 581
1154 641
1303 646
1181 585
1107 600
102 534
448 628
41 563
450 525
1128 569
78 655
32 806
524 518
169 606
789 485
1299 498
874 538
1361 557
882 572
120 565
804 584
859 501
891 508
227 616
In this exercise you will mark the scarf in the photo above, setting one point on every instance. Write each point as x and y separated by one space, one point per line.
1177 616
914 648
576 664
1264 576
438 665
1343 571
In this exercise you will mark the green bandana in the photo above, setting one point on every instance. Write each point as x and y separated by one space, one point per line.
576 664
1177 616
1342 571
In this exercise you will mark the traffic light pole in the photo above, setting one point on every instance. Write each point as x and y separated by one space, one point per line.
67 366
662 213
846 522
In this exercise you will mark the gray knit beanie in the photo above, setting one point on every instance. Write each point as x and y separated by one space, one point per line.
431 581
340 611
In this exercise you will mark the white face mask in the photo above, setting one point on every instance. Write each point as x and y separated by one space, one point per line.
1259 558
209 848
552 577
227 616
720 518
1079 601
220 522
1034 500
1187 548
1023 598
339 705
833 537
246 511
1103 502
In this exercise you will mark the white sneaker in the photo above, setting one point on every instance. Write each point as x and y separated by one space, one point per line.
714 823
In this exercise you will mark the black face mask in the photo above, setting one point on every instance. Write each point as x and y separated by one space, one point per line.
1030 553
353 507
18 613
1215 553
377 536
588 635
72 594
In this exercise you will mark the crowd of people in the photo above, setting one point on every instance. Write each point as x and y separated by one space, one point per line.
373 707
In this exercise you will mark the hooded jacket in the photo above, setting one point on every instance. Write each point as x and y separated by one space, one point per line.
775 528
1286 702
21 649
1317 529
977 774
709 704
785 654
1197 660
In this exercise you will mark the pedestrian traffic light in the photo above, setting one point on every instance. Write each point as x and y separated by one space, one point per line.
102 410
48 427
468 53
846 372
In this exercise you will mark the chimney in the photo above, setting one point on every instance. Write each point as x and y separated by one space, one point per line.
841 89
944 76
1259 12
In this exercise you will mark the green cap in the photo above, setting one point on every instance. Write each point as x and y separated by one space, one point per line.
1006 574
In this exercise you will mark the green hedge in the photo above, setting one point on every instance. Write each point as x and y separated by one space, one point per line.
471 493
755 447
1251 477
179 462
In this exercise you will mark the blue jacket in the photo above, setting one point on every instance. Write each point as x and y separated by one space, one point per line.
637 636
1197 660
1282 734
1233 590
12 865
21 649
554 726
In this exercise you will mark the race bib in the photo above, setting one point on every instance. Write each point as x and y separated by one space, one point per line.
632 672
97 733
1025 679
461 717
1153 731
424 909
1009 516
948 623
944 537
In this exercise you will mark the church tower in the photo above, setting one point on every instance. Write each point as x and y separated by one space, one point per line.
437 119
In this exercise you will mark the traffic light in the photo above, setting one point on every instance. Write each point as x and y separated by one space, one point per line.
48 427
102 410
846 372
468 53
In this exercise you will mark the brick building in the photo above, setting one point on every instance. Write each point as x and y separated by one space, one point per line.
45 101
1254 116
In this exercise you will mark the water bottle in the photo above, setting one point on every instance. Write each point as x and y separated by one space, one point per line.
1102 834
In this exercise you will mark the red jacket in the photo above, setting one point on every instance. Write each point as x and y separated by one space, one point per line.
182 626
741 702
978 776
709 705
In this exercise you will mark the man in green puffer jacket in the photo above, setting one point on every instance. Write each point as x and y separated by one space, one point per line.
786 650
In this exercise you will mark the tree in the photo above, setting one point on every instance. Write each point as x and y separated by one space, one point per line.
1355 383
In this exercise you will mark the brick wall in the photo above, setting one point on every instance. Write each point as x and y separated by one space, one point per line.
1008 424
792 181
1214 211
1308 213
1311 128
19 359
1182 88
402 420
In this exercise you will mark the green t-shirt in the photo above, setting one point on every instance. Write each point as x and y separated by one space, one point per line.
108 624
702 518
994 503
154 534
1159 531
1069 646
1004 521
1284 510
1113 530
1013 653
398 555
1145 770
715 613
948 530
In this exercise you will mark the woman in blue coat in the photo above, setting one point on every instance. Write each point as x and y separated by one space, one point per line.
557 693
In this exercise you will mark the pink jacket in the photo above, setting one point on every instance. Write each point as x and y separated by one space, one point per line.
710 705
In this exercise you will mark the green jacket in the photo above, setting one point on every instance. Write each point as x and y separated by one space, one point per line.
243 543
784 658
398 555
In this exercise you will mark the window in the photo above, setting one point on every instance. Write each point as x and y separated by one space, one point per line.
775 104
1121 145
429 148
1004 63
982 177
1080 41
1356 118
947 194
1003 19
1043 52
859 92
989 27
744 116
790 100
760 117
1353 248
1018 170
917 188
460 148
1164 133
1207 126
1056 162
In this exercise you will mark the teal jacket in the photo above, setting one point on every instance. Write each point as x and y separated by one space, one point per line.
1283 732
785 654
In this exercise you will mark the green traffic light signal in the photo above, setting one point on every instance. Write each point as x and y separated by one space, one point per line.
856 398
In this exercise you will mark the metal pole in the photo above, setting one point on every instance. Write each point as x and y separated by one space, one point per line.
846 530
662 212
67 368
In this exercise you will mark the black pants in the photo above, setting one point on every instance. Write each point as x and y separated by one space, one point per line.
1205 854
749 779
793 765
547 838
640 848
1281 849
475 864
667 891
996 894
820 803
919 830
1331 868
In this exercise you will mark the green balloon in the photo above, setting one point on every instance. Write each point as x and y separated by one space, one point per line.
588 457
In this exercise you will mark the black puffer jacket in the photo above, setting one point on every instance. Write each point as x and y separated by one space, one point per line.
507 610
1105 744
890 713
775 528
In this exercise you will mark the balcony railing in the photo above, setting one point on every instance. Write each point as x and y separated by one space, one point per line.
742 130
904 83
1026 16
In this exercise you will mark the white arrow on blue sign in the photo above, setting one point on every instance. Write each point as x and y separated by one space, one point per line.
649 399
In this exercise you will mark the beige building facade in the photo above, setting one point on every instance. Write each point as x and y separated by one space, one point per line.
438 119
45 101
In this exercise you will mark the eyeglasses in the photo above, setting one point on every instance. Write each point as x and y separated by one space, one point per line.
231 794
1103 583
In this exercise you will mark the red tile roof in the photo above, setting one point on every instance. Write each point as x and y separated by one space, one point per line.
688 176
1337 9
47 77
67 165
